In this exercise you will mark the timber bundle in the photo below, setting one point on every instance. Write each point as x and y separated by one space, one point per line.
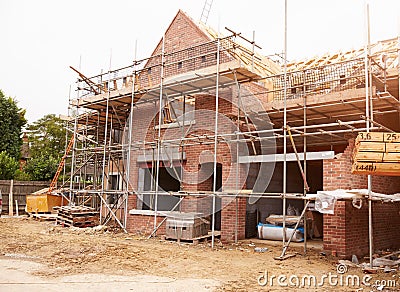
377 153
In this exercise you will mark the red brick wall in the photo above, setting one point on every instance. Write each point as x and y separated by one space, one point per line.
132 202
337 172
228 219
334 230
197 204
144 224
346 231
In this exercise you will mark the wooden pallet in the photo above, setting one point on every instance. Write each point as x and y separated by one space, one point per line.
44 216
78 224
195 240
78 216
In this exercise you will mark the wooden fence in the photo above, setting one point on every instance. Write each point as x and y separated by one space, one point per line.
20 190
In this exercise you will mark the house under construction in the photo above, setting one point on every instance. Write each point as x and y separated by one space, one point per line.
207 127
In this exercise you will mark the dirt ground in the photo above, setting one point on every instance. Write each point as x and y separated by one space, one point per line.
41 254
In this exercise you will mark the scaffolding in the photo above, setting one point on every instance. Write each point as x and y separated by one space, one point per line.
321 104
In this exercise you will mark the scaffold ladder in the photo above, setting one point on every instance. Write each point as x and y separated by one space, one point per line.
206 11
60 166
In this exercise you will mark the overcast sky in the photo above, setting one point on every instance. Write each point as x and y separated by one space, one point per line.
40 39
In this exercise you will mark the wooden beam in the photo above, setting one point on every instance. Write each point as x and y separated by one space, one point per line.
370 147
86 80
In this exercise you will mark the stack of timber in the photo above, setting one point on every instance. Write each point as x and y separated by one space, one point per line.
377 153
78 216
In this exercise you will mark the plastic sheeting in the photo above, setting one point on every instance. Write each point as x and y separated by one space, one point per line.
325 200
273 232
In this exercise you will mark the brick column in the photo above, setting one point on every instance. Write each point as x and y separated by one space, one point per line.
335 230
346 231
233 180
228 218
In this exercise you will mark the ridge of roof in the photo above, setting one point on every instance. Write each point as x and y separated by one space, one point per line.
190 22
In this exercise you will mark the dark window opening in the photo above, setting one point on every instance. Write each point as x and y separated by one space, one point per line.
342 79
203 59
113 180
113 184
206 183
167 182
116 135
179 65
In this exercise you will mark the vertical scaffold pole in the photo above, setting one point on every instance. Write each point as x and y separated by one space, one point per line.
237 161
284 131
103 175
66 130
130 128
73 162
215 145
305 158
367 124
160 110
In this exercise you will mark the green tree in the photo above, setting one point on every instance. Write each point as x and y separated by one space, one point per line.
21 175
8 166
47 137
47 146
12 119
41 167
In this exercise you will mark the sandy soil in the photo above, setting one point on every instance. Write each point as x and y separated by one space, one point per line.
40 254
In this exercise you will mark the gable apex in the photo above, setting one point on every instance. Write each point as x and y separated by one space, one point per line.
181 33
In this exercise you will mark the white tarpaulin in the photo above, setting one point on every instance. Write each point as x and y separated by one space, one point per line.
325 200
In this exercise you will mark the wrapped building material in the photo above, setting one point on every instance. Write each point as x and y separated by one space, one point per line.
273 232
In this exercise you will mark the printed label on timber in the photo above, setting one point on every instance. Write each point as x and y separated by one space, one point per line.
376 168
363 167
377 153
378 137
